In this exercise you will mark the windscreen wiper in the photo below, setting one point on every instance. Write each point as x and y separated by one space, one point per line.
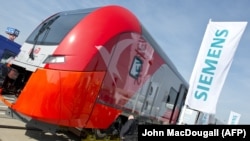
45 27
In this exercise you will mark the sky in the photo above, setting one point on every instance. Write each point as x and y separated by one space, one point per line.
178 26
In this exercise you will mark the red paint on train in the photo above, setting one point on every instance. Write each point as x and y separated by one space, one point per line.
103 67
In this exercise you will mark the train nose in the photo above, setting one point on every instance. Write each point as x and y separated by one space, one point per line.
63 97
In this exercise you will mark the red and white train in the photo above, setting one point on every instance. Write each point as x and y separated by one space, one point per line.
91 68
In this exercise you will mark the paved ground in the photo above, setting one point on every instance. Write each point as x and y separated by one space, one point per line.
14 130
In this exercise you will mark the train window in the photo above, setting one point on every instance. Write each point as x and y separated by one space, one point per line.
54 29
170 101
146 105
150 91
135 68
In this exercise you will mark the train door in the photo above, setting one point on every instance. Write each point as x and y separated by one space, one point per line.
150 96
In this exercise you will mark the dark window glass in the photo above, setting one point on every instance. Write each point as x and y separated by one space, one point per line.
54 29
136 67
6 56
172 96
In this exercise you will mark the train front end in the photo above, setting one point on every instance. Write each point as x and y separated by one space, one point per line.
59 71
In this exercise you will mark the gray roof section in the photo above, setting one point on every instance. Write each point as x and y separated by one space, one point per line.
159 50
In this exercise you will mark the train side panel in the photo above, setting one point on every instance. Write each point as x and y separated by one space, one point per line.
140 81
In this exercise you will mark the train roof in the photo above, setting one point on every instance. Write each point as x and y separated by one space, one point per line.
86 10
146 34
163 54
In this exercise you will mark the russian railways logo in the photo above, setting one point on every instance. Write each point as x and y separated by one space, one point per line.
36 50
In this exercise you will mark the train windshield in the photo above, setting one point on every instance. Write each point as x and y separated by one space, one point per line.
54 29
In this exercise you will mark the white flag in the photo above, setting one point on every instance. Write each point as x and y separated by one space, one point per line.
212 64
234 118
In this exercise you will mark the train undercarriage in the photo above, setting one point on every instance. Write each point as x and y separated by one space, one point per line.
112 133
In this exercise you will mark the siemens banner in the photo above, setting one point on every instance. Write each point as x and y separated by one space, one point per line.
212 64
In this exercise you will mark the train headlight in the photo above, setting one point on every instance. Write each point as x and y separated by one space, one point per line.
55 59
